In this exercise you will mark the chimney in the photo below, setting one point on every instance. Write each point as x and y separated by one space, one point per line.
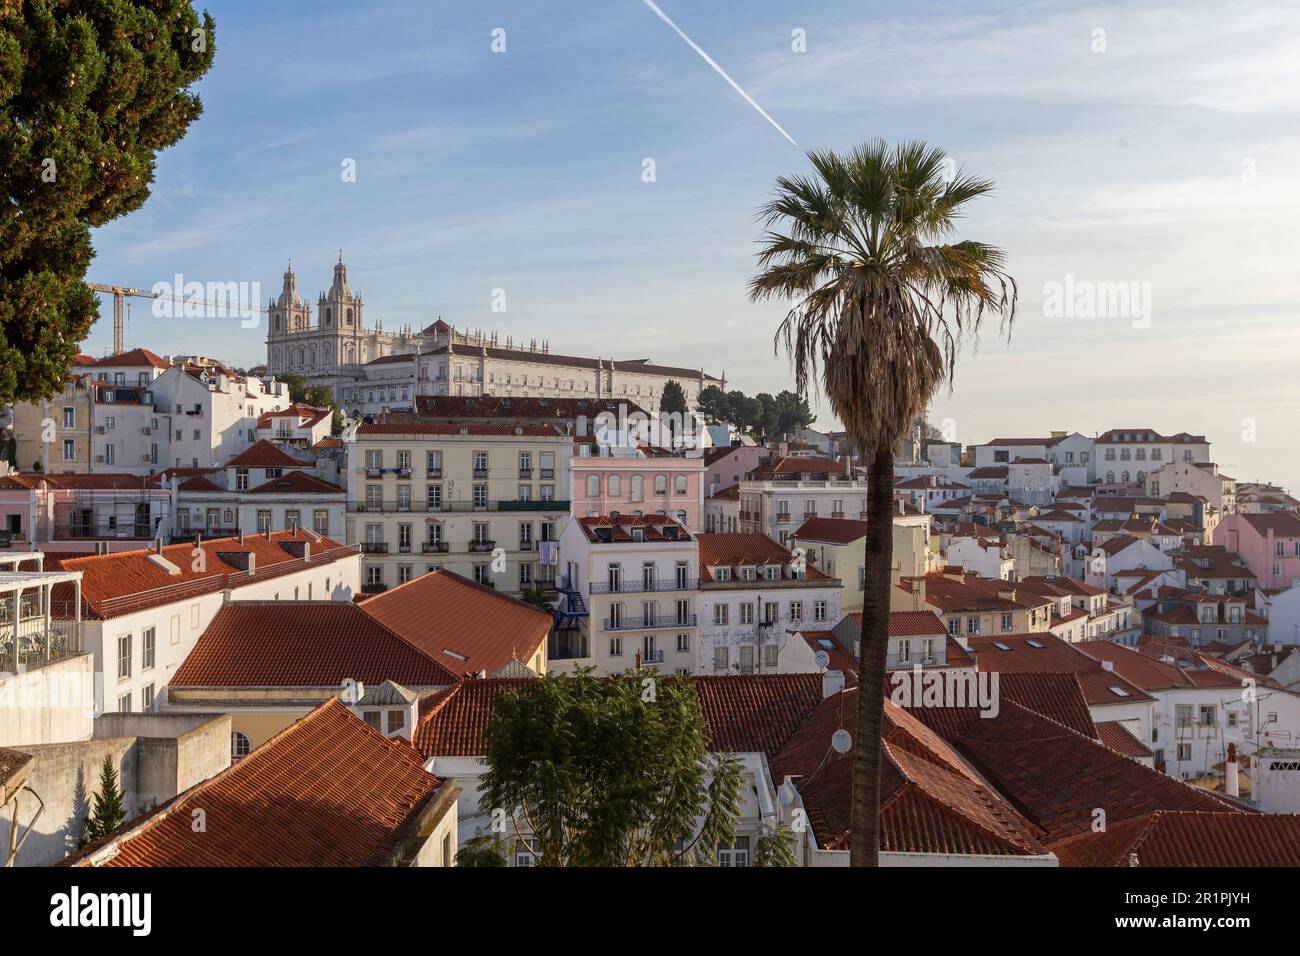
1230 773
157 545
832 683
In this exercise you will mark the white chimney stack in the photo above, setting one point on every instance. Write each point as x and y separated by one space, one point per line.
1231 782
832 683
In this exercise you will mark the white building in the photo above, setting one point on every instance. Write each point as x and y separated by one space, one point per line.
629 595
755 599
142 611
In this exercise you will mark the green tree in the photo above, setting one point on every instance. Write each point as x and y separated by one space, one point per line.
482 850
713 405
744 411
673 399
881 298
90 91
107 813
775 847
792 413
611 772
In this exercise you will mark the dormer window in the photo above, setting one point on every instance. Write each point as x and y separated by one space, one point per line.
722 574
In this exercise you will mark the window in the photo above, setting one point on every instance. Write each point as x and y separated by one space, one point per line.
1006 621
972 625
146 698
241 479
593 486
124 657
616 647
683 643
819 610
124 704
69 449
1183 716
720 614
746 613
1207 715
321 521
796 610
737 854
150 643
721 660
69 417
1184 751
239 745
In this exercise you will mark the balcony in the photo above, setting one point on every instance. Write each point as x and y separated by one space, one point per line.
373 588
652 623
525 474
652 657
433 474
481 473
782 517
376 506
480 545
374 547
434 547
567 646
642 586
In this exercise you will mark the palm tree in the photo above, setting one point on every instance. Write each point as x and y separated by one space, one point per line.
881 299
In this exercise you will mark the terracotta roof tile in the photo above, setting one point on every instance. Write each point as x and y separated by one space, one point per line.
304 644
328 791
464 626
265 454
1186 838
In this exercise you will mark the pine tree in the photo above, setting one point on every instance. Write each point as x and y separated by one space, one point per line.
108 812
90 91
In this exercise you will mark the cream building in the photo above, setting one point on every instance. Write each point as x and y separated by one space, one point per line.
372 371
481 500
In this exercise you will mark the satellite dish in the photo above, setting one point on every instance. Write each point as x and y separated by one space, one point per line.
842 741
821 659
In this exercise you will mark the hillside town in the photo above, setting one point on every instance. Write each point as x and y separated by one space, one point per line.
234 597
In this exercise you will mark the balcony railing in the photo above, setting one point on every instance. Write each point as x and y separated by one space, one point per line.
33 641
652 657
374 547
650 623
458 506
434 547
480 545
640 585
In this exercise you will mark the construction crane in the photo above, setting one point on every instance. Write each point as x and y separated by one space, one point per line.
120 292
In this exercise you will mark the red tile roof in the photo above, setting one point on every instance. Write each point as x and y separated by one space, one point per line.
1120 739
1058 696
304 644
128 359
123 581
1170 838
296 483
464 626
327 791
265 454
1057 777
832 530
519 409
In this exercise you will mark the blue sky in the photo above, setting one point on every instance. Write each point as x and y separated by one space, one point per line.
1169 159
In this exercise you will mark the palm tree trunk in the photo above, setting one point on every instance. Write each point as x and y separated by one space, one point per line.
864 819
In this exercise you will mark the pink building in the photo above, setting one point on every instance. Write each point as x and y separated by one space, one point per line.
643 483
1268 542
726 466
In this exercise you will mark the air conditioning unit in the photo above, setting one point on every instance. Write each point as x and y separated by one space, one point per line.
99 458
146 430
99 429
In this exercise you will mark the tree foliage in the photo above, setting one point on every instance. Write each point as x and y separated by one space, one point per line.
107 812
611 771
90 91
673 399
482 850
775 847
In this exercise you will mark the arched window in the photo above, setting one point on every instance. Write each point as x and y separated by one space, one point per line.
638 487
328 317
277 323
615 486
681 518
680 482
661 484
593 486
349 317
1110 477
239 745
1124 477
